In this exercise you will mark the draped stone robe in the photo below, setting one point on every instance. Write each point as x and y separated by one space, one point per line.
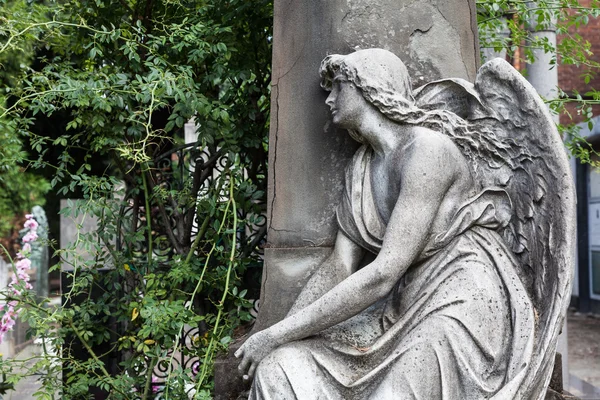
458 324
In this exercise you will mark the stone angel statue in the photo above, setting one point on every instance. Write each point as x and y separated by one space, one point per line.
451 271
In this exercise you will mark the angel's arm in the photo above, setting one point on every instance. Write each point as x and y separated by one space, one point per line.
341 263
425 179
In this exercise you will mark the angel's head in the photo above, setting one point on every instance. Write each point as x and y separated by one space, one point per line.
376 76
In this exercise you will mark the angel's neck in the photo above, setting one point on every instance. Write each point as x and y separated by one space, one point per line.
384 135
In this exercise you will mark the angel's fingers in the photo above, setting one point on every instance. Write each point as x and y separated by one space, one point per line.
244 364
251 371
239 352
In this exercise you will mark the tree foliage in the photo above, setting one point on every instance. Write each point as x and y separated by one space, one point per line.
514 26
19 190
179 221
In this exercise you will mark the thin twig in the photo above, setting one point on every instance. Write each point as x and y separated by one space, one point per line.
221 304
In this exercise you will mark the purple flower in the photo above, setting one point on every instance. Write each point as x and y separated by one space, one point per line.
155 388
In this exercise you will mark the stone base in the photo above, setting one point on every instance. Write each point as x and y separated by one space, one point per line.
553 395
229 384
285 273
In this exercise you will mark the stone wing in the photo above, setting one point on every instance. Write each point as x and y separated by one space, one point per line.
542 231
517 148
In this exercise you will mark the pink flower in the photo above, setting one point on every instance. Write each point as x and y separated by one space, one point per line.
8 321
31 224
7 318
31 236
25 263
25 251
23 275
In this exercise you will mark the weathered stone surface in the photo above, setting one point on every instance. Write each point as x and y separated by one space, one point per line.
286 272
556 380
462 193
307 154
554 395
435 41
228 385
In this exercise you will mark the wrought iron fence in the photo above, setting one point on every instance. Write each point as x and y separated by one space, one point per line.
193 171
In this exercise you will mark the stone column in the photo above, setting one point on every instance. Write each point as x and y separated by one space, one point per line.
307 155
543 76
40 254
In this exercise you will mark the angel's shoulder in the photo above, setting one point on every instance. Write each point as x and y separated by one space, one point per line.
434 146
428 154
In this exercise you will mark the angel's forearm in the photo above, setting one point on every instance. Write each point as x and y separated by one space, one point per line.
340 264
344 301
326 278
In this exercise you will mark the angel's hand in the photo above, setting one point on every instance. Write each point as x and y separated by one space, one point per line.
257 347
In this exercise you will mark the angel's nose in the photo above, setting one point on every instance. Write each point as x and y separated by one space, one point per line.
330 100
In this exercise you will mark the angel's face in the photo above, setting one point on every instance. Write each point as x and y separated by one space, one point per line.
346 103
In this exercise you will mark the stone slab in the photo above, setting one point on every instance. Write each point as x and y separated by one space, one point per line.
285 274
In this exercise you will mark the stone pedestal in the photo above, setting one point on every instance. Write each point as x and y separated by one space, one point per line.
307 154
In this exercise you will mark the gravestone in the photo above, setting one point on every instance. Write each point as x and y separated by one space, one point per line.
40 255
71 227
307 154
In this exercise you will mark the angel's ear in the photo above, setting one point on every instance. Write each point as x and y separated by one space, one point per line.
455 95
